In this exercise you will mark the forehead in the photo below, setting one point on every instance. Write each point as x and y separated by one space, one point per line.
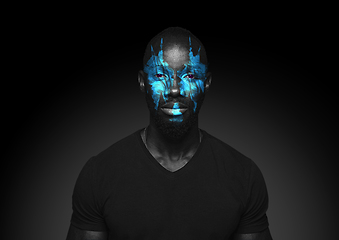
174 55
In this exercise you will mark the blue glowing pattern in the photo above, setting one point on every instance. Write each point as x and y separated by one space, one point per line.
176 112
175 109
161 77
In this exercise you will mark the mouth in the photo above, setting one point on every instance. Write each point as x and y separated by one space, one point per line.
173 112
174 108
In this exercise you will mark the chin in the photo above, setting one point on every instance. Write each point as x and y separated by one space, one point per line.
174 130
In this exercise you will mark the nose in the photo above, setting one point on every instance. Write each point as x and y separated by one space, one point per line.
174 87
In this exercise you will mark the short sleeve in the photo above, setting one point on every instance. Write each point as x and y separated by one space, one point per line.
87 210
254 217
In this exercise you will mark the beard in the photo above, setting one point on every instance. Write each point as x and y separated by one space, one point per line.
174 130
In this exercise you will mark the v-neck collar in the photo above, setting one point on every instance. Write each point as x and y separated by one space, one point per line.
186 168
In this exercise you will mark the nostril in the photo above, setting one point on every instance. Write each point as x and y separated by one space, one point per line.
174 92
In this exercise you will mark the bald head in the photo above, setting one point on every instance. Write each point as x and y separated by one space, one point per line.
176 44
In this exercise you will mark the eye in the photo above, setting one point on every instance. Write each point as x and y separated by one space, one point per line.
160 75
189 76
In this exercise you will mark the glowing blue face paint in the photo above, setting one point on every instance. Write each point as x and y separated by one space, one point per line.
196 69
176 112
158 72
161 77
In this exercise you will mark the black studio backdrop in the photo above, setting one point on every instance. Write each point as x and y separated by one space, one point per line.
75 92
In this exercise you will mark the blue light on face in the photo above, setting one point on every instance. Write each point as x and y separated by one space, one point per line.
160 77
176 112
158 72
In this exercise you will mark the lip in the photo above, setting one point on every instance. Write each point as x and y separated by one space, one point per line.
171 104
174 108
173 112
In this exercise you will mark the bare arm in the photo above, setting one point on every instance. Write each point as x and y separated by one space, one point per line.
265 235
78 234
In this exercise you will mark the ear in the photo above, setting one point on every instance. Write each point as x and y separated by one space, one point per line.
208 81
141 80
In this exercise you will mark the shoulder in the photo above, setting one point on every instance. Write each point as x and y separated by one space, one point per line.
116 156
228 155
102 171
239 171
235 166
121 148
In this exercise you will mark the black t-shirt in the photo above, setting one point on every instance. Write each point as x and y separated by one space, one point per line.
126 192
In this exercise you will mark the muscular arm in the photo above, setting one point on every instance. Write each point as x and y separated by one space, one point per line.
78 234
265 235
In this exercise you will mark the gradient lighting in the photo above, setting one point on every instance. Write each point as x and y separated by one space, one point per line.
161 77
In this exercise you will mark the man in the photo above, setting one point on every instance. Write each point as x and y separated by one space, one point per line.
171 180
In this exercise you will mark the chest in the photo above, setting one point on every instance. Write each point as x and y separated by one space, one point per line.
197 207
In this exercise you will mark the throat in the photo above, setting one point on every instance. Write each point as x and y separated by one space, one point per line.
171 160
172 165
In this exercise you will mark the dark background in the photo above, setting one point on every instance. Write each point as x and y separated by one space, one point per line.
72 92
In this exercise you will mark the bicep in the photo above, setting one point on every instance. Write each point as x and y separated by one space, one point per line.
264 235
78 234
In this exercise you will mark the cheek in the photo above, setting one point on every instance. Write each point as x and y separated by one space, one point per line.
157 89
193 90
197 87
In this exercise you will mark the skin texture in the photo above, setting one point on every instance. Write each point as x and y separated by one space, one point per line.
175 66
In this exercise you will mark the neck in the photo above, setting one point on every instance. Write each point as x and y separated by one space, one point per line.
170 150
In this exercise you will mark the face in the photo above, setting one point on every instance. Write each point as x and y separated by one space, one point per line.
175 87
